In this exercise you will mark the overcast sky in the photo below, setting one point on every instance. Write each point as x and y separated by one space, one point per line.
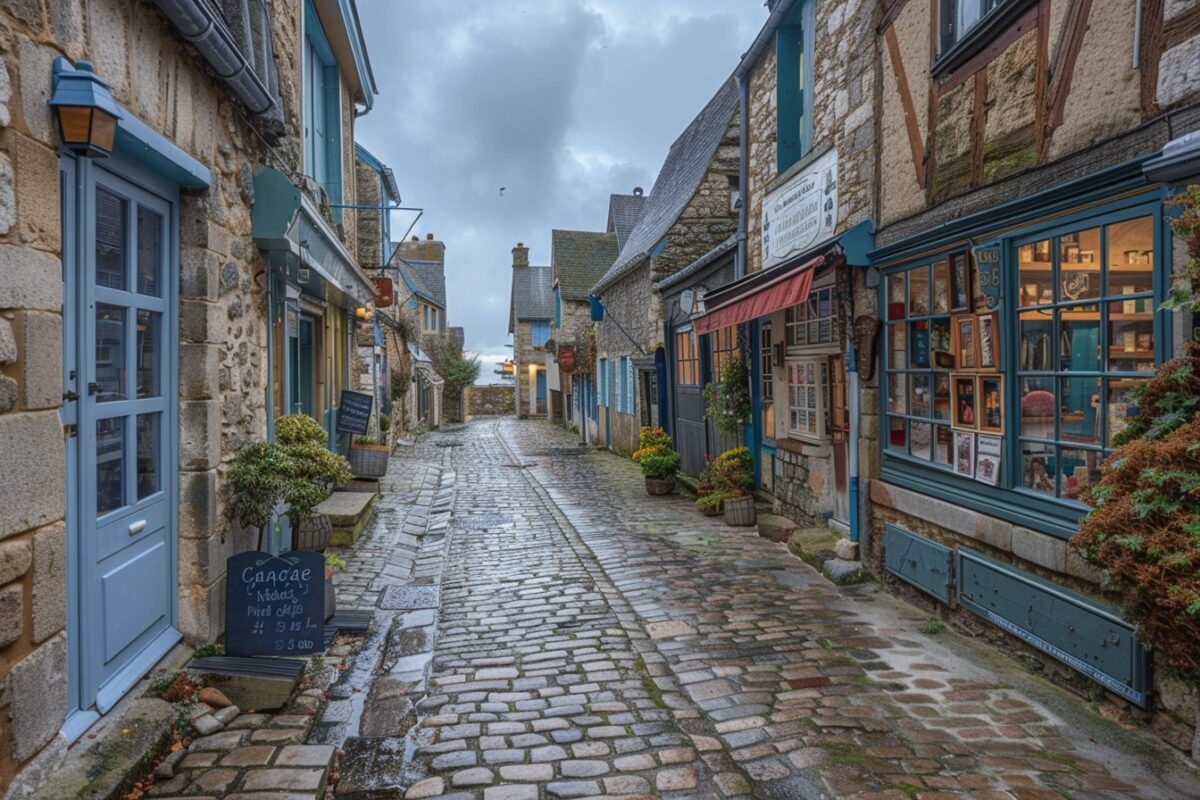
561 102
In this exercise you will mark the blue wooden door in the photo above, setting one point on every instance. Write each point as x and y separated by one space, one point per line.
541 392
125 509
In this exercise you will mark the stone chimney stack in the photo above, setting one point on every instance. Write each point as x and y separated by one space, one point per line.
520 256
429 249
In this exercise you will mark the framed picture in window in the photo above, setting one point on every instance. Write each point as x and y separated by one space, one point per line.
991 403
966 355
960 283
965 389
964 454
988 337
987 459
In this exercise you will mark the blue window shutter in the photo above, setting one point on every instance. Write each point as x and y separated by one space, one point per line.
790 100
333 135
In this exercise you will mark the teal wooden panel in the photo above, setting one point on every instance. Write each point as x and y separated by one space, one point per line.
925 564
1079 632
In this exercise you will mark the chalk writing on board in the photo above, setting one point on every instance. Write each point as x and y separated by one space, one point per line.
275 605
354 412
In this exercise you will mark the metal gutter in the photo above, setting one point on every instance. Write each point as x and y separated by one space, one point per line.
202 28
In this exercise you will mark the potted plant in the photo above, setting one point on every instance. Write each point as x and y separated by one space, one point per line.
658 460
333 563
255 486
368 457
312 473
709 499
733 480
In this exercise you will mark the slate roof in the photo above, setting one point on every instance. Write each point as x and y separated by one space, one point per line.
580 258
624 211
677 181
531 297
458 336
428 278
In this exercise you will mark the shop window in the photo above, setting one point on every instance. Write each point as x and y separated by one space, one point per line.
687 359
807 378
1083 335
813 322
793 86
539 332
767 373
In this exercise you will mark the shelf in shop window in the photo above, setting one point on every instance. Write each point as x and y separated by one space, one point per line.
1083 266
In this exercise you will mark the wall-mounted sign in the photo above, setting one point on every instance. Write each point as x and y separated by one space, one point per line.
275 605
566 358
354 412
801 213
987 275
384 292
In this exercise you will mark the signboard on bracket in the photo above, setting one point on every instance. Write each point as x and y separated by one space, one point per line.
801 213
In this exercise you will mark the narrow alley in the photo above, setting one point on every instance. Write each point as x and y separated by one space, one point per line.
591 641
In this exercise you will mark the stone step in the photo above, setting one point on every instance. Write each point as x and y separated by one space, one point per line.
774 527
349 513
372 767
819 548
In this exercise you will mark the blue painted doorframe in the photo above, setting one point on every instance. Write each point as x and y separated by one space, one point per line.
120 267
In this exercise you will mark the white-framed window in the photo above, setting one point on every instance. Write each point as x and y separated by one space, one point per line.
813 322
806 381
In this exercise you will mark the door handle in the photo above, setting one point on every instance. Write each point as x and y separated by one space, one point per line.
137 527
70 396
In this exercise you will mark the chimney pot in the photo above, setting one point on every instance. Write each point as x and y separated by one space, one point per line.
429 236
637 191
520 255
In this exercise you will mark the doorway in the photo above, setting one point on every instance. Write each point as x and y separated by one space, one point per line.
120 251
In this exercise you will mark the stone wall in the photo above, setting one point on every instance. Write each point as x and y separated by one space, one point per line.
525 354
494 400
369 236
222 323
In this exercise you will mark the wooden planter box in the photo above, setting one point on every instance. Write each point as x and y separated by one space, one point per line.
314 533
659 486
369 460
740 511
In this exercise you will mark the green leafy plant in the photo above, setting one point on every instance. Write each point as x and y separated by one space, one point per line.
399 384
206 650
255 484
1143 530
730 475
364 439
933 626
335 562
727 400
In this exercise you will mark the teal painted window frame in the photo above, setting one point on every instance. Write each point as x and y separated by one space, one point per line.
1026 507
794 44
326 105
557 308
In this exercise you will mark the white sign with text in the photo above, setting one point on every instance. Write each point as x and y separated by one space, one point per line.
801 213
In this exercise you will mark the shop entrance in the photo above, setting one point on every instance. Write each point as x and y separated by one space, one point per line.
120 319
301 352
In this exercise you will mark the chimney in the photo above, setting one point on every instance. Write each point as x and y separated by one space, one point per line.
427 249
520 256
637 191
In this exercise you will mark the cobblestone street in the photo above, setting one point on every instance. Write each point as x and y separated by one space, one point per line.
594 641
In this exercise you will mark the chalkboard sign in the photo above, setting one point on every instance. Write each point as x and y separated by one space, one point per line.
275 605
919 339
354 412
987 271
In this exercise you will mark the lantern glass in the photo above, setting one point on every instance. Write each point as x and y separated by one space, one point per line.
76 122
104 130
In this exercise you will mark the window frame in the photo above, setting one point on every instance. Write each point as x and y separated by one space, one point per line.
794 45
766 366
687 360
792 322
953 50
537 326
1009 500
820 365
316 49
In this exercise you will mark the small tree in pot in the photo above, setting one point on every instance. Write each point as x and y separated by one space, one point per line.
313 472
658 460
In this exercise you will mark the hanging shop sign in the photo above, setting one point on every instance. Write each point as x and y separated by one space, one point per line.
384 292
566 358
275 605
801 213
354 412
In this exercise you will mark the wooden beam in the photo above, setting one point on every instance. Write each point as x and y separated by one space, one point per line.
1183 27
1041 74
1150 52
1063 68
932 104
890 12
978 127
906 100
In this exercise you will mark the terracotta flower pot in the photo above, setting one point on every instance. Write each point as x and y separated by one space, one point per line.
659 486
740 511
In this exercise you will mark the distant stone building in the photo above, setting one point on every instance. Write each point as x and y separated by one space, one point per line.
690 210
529 316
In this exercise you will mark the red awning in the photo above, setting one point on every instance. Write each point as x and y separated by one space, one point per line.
789 289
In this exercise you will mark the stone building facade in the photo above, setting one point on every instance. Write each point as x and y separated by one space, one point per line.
530 315
1024 153
182 185
807 471
689 211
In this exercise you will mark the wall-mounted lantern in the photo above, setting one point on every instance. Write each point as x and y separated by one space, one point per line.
86 112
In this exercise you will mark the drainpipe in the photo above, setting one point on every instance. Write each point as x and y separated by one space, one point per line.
853 403
743 81
199 25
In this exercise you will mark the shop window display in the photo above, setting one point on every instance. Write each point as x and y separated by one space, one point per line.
1082 335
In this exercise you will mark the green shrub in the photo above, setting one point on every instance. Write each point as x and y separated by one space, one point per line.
728 399
660 463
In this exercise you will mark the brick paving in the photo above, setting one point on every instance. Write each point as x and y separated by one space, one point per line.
594 641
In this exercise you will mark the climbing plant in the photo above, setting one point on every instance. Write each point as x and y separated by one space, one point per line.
727 399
